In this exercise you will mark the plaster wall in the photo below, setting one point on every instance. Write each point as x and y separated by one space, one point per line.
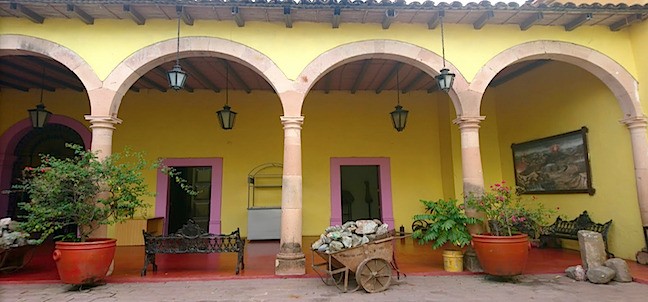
537 105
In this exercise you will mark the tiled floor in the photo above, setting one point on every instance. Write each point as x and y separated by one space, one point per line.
412 259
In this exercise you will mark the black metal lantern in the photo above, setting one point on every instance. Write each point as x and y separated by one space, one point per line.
445 80
399 118
39 116
176 76
226 117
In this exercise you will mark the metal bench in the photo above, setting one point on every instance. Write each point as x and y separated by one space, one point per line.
562 229
191 239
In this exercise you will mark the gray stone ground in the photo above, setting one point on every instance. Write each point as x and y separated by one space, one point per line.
435 288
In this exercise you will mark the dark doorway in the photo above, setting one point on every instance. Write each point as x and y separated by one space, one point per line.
51 139
360 188
183 206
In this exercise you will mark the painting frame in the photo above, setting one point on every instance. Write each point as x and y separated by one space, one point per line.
557 164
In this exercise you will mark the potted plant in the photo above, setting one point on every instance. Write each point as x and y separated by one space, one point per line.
445 223
505 249
78 195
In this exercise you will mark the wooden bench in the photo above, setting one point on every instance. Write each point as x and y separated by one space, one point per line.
191 239
562 229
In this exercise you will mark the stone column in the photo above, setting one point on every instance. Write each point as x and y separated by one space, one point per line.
471 166
290 259
637 126
102 131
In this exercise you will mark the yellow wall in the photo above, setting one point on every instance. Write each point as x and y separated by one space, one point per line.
538 104
639 40
96 43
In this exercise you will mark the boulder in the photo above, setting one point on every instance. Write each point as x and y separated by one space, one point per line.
600 274
366 227
621 269
576 272
592 249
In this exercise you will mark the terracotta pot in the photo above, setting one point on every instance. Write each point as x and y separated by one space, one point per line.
502 255
84 262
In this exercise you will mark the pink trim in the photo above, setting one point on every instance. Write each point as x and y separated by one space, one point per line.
9 140
385 186
162 191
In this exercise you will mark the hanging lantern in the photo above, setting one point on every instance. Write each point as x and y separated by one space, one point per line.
445 80
399 118
226 117
39 116
177 77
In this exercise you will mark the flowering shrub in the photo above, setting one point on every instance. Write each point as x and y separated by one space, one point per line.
85 192
508 214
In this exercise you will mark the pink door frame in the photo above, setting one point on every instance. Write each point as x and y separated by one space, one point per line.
385 186
9 140
162 191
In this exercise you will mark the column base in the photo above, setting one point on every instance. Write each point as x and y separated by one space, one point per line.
290 264
471 263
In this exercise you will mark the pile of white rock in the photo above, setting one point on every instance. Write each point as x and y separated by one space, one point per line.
349 235
596 268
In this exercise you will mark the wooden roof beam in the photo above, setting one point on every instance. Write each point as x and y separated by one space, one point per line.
578 21
14 86
236 76
236 14
420 76
335 21
287 17
81 14
134 15
625 22
361 75
39 75
530 21
153 84
436 18
27 13
390 76
184 15
389 16
200 76
503 79
481 21
327 83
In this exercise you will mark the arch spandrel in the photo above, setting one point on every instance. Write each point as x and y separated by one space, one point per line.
421 58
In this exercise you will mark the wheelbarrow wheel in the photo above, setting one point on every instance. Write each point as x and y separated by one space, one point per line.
374 275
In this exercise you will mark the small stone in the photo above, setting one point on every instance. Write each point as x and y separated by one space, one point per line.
576 272
317 244
378 222
348 224
333 228
621 269
382 229
355 240
335 246
364 240
347 241
600 274
366 227
335 235
323 248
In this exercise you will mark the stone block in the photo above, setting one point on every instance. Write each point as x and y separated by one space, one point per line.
600 274
471 263
592 249
621 269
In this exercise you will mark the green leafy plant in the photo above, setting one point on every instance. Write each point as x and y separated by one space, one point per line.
446 221
507 214
85 191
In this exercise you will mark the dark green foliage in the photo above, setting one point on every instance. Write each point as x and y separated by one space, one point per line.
447 222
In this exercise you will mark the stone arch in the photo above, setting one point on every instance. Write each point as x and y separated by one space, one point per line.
19 44
10 139
128 71
622 84
426 60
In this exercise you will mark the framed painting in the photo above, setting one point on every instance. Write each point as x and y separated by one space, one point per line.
553 165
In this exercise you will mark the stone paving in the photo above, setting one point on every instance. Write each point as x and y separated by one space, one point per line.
418 288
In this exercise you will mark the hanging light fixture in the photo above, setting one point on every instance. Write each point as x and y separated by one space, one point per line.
226 116
445 78
399 116
40 115
176 76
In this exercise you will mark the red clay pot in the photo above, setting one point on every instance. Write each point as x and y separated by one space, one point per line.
502 255
84 262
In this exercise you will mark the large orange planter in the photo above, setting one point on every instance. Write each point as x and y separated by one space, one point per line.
502 255
84 262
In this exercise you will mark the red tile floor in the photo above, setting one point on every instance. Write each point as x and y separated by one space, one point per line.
412 259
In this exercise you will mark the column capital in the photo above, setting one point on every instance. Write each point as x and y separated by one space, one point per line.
468 122
103 121
635 122
292 122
